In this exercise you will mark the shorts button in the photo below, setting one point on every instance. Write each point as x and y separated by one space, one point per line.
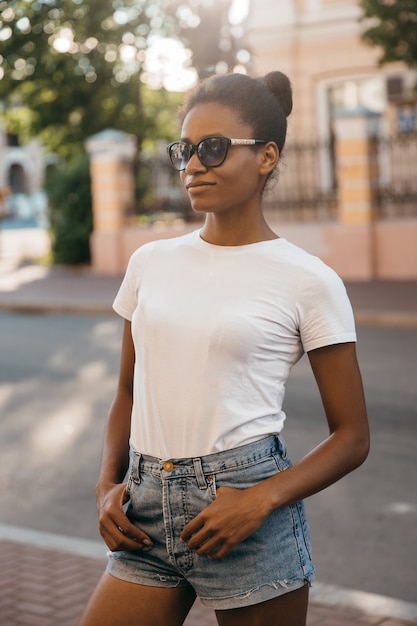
168 466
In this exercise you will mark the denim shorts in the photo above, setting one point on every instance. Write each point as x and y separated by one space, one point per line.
166 495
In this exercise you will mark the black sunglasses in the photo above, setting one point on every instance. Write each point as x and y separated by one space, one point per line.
211 151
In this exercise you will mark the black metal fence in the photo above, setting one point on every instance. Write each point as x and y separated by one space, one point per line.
397 181
306 186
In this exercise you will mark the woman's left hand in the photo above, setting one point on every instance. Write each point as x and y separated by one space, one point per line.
231 518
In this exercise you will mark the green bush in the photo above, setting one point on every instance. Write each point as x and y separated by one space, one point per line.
69 191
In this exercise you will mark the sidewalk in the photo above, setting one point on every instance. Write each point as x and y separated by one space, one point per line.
36 288
46 580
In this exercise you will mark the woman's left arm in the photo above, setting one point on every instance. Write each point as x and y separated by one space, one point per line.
339 381
235 514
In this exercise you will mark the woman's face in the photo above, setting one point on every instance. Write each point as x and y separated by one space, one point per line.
237 183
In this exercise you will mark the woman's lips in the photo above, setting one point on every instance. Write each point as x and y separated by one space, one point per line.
198 187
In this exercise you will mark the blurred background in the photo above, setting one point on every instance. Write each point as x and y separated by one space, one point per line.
88 97
89 91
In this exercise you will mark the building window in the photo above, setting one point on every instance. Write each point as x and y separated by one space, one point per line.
351 94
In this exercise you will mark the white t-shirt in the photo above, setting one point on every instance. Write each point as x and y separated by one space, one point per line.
216 331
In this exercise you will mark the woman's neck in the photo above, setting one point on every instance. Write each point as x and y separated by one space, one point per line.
223 232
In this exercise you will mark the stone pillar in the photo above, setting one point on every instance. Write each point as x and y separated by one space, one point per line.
356 165
112 153
357 184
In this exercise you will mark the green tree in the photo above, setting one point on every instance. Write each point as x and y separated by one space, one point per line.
69 68
393 28
74 65
71 220
213 40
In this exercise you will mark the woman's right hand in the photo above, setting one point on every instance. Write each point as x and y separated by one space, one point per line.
115 527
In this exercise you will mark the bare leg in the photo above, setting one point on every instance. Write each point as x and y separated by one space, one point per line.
116 602
289 609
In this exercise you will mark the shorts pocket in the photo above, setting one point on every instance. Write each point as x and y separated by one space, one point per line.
247 476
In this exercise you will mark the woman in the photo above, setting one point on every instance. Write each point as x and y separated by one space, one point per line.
214 321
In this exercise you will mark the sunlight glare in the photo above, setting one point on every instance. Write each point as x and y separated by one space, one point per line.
168 65
238 11
56 432
402 508
64 41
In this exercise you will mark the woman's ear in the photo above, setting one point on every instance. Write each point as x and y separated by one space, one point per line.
269 157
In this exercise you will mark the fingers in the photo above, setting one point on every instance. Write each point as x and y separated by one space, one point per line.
120 534
204 537
191 529
210 543
196 531
116 529
128 537
226 522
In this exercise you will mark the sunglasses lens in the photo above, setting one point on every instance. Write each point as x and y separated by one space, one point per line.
212 151
179 153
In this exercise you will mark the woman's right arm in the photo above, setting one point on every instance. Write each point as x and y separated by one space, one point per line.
115 528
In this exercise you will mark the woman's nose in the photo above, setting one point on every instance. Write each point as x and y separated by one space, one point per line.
194 164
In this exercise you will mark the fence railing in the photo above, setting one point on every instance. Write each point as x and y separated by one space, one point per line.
397 182
306 185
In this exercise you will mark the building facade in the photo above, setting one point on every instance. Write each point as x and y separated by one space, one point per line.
317 43
22 170
347 190
349 179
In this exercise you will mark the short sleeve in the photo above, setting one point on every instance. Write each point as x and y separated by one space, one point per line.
324 311
126 299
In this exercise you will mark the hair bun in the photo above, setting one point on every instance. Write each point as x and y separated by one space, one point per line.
280 87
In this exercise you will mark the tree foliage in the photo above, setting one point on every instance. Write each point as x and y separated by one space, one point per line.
62 62
69 190
71 68
211 38
393 28
76 65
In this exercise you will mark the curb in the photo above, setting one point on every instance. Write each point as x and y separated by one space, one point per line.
52 306
321 594
385 319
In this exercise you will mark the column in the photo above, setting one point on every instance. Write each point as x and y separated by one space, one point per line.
356 165
112 153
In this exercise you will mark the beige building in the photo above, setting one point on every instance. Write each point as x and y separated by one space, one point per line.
21 178
347 189
318 44
357 123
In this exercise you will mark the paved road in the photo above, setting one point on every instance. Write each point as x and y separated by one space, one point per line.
57 377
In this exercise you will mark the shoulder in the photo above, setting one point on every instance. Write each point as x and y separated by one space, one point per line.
322 305
318 289
308 267
159 248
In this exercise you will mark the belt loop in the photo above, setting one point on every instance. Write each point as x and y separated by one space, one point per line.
138 460
282 446
199 474
278 442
